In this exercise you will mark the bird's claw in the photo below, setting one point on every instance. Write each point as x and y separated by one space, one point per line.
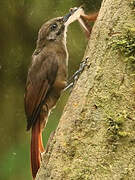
77 74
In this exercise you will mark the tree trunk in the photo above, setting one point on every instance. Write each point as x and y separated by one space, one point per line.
95 138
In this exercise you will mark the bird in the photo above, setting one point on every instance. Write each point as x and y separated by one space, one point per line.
47 77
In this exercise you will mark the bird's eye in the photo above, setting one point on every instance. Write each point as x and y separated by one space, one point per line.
54 26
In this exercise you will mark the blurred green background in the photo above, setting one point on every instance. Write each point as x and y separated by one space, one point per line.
20 21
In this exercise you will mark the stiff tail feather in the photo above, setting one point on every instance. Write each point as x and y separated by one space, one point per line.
35 148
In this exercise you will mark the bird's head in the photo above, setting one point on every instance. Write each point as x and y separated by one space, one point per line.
55 29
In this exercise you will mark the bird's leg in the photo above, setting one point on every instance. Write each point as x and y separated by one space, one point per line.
77 74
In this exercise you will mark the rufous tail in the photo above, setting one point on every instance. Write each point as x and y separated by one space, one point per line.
36 148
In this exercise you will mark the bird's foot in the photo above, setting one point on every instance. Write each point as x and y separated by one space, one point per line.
77 74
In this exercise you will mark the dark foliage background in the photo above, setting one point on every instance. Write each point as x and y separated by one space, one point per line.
20 21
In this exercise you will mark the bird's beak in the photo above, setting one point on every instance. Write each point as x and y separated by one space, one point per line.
66 17
73 15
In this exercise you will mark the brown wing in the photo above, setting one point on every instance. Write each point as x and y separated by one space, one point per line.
41 77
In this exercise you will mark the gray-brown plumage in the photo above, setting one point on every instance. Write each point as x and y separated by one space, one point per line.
46 79
48 72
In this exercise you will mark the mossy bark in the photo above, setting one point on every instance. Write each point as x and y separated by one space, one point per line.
95 138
